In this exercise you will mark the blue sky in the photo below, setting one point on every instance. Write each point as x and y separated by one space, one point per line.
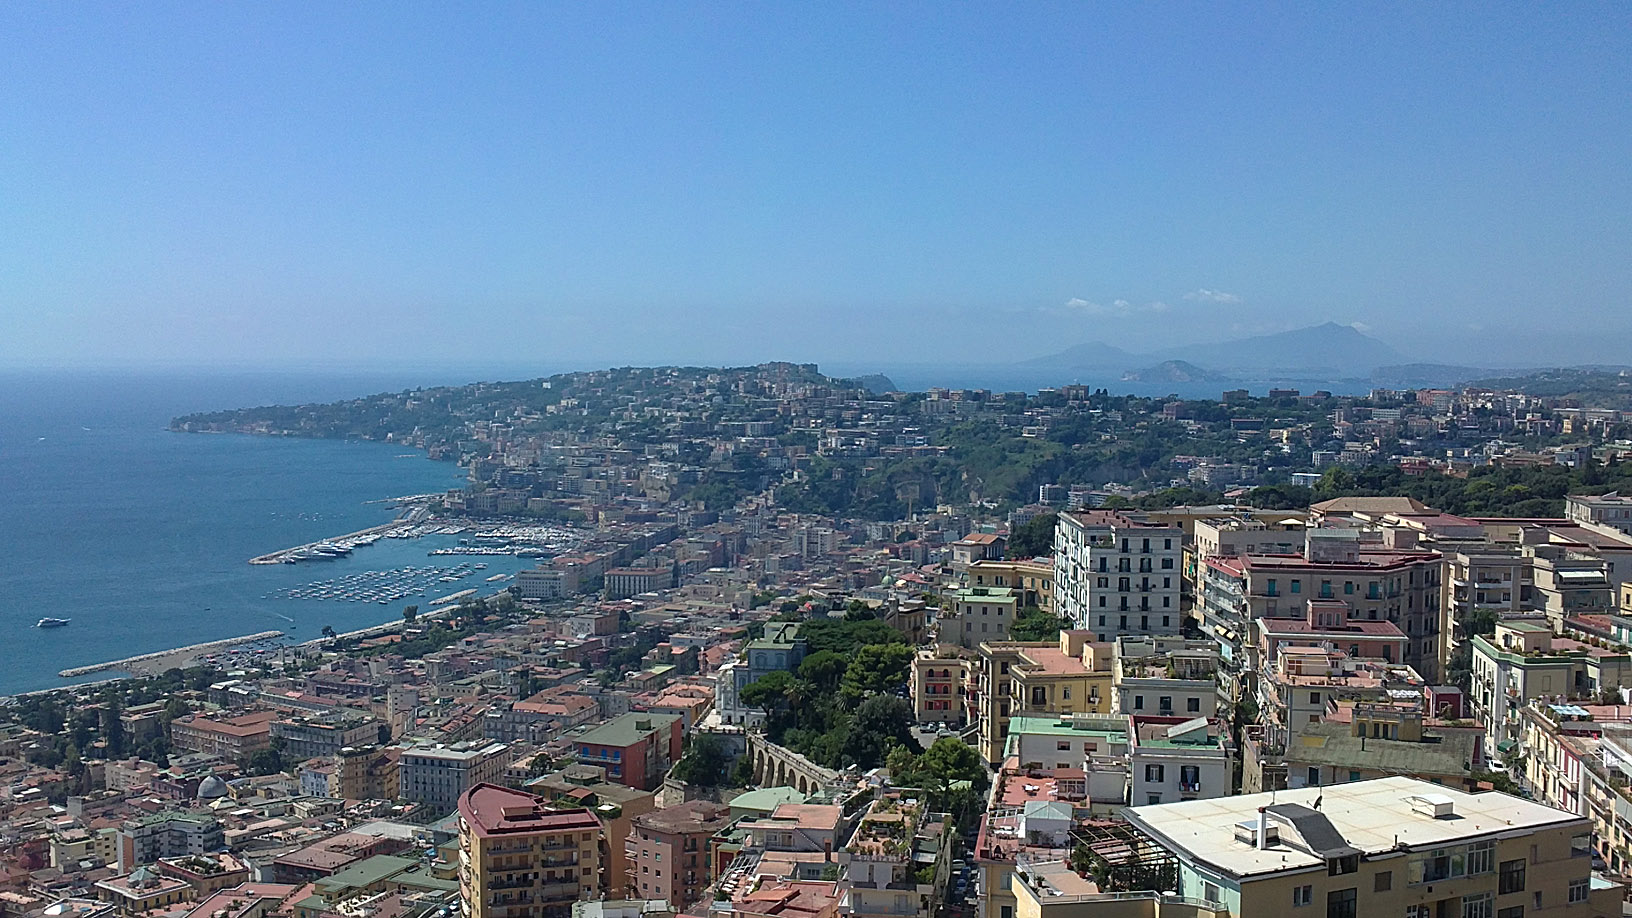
584 184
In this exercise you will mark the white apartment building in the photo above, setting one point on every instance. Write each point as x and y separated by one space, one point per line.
1114 574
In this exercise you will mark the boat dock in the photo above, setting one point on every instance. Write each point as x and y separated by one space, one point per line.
159 661
349 541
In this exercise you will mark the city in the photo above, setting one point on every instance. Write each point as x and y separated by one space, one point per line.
811 649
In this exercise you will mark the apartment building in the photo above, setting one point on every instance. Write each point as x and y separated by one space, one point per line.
1072 675
980 614
1114 574
232 738
1096 745
437 775
367 773
1608 510
145 839
520 859
1032 579
668 851
896 862
1390 846
636 749
1174 758
1165 676
1402 588
615 805
939 679
1523 661
324 735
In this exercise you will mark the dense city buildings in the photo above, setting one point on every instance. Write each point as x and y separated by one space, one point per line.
790 648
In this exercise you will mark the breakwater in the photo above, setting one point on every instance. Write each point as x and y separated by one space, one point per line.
159 661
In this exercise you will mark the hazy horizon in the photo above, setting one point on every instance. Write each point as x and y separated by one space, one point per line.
377 187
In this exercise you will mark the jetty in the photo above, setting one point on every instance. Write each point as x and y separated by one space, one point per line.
160 660
349 540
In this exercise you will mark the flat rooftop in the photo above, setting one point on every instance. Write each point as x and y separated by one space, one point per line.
1369 815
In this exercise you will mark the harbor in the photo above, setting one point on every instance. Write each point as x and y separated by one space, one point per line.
479 538
176 658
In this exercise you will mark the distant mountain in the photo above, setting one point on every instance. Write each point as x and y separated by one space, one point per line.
1173 371
1329 350
1091 357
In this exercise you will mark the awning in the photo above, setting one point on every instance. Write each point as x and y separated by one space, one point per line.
1506 746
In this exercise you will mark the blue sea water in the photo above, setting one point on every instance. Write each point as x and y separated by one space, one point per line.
141 536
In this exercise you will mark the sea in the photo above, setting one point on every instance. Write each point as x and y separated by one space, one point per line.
141 537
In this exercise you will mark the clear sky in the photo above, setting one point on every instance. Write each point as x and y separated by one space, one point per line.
590 183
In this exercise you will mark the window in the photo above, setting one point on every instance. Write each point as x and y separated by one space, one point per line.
1314 776
1482 858
1165 703
1348 588
1479 905
1384 881
1516 911
1209 892
1580 846
1512 877
1153 799
1065 693
1578 890
1192 705
1341 903
1153 773
1167 564
1297 586
1062 746
1138 702
1314 698
1302 895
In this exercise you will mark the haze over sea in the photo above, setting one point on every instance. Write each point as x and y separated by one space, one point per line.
141 536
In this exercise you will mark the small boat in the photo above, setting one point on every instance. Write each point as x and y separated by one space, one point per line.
51 623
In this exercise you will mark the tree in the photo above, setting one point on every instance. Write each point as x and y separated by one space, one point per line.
881 722
328 631
877 669
824 669
704 763
268 760
1034 538
948 761
770 692
1033 624
409 613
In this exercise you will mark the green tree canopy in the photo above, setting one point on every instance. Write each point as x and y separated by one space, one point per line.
1034 538
876 669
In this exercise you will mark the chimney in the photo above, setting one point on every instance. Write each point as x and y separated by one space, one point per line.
1263 829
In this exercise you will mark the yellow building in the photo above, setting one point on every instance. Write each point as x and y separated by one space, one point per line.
520 859
940 684
1068 676
1391 846
366 773
1032 579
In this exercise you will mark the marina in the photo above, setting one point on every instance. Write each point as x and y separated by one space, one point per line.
489 538
382 587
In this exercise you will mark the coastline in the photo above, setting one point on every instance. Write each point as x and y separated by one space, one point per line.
161 660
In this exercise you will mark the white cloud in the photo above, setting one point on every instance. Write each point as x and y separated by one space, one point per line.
1212 296
1116 309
